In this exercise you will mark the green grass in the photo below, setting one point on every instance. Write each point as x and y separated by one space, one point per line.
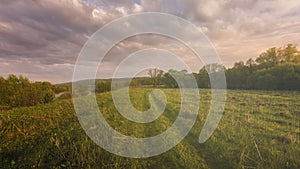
260 129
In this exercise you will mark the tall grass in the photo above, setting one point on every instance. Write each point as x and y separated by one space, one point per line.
258 130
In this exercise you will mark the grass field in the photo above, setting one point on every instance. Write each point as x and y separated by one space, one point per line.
259 129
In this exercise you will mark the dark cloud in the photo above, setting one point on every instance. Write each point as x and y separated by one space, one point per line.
49 34
43 29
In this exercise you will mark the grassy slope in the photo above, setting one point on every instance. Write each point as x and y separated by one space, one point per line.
259 130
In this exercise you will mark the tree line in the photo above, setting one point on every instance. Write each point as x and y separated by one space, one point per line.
274 69
284 76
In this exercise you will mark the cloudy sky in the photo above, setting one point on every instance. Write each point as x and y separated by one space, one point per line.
41 39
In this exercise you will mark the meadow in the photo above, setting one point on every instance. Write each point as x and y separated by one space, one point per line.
259 129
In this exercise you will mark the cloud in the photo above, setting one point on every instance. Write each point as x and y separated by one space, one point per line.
42 39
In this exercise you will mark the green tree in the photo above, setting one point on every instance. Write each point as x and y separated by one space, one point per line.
136 82
237 76
155 75
269 58
168 79
289 53
250 63
19 91
203 78
103 86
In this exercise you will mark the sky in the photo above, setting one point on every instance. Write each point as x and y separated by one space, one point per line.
41 39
